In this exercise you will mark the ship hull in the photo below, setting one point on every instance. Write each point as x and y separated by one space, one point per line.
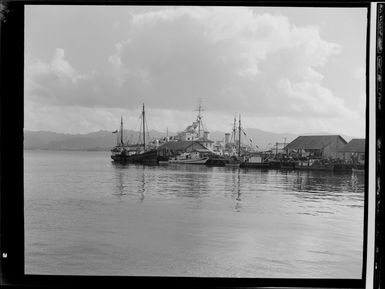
149 157
234 165
288 165
200 161
256 165
316 167
216 162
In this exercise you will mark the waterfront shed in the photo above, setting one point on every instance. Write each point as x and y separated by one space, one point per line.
354 151
322 146
207 143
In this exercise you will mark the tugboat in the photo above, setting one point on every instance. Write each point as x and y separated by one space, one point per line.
134 153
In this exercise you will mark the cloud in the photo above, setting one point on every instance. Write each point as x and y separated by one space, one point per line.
360 73
58 68
235 59
222 55
311 99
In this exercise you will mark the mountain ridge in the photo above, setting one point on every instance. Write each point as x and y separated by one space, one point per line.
105 140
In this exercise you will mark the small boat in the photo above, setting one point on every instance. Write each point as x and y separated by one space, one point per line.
189 158
314 164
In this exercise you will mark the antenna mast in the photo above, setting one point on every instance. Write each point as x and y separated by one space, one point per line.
144 129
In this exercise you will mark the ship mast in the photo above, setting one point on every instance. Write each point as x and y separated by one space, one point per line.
233 135
199 117
144 129
121 130
239 136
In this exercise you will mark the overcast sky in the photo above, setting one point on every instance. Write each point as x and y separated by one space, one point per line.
294 70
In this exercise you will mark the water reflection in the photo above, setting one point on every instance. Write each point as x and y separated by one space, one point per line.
314 191
191 220
141 186
315 186
120 187
237 190
357 182
126 187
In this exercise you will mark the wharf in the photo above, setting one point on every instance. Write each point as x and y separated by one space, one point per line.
255 165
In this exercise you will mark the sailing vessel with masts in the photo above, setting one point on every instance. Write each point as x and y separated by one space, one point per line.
139 153
122 150
236 159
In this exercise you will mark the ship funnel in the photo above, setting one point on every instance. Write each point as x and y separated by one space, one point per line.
206 135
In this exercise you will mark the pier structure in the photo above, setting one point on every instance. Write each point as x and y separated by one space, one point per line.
317 146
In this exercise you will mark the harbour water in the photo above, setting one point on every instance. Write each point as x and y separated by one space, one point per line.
85 215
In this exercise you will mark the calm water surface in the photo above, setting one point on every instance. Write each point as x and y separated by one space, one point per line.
86 215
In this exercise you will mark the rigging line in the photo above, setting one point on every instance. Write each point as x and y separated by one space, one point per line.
140 131
146 128
233 132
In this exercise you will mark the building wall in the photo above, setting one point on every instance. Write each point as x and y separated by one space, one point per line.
354 157
332 150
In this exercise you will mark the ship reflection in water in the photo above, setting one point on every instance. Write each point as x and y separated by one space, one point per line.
189 220
186 181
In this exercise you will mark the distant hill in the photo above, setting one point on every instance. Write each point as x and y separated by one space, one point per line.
105 140
100 140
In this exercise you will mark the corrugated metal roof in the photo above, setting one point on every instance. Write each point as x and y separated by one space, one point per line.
312 141
356 145
179 145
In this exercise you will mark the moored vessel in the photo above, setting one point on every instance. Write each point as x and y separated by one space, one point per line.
314 164
189 158
358 169
139 153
